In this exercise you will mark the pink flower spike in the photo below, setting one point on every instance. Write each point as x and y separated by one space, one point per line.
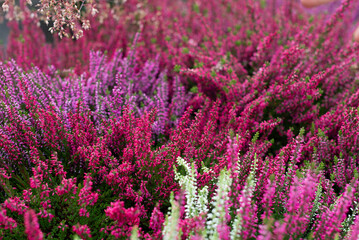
32 228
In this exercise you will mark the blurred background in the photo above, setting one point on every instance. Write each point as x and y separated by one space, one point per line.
4 33
4 30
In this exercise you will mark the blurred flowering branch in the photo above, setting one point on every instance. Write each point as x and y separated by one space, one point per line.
65 14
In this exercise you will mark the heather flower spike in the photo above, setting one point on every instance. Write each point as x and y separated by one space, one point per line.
32 228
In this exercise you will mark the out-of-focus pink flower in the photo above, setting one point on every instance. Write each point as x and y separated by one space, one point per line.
32 228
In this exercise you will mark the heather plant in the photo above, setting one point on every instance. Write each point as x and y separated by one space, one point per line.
58 122
196 205
195 22
237 119
77 150
66 53
302 207
107 88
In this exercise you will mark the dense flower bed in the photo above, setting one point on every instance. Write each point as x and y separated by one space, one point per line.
194 119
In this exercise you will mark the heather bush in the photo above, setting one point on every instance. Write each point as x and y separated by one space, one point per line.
218 120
